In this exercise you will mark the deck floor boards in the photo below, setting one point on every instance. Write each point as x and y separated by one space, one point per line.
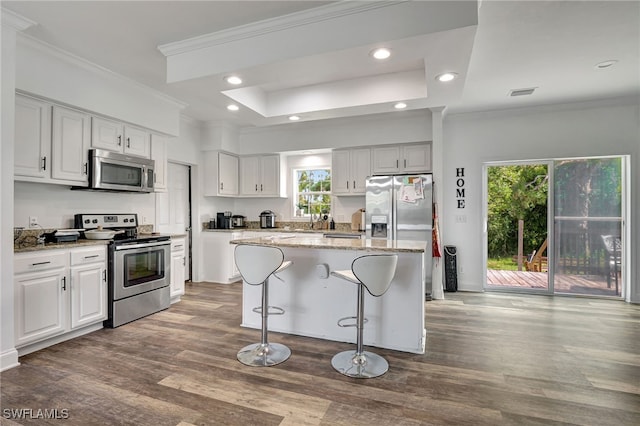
593 285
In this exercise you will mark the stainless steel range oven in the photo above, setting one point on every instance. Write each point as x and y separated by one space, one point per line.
139 268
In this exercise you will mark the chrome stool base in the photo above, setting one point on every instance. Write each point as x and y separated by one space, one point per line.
264 355
367 365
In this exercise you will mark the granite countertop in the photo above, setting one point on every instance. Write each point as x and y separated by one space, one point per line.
30 246
338 244
28 243
288 230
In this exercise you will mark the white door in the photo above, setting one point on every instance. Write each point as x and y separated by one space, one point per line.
173 208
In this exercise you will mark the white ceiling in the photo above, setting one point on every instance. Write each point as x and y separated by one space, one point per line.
310 58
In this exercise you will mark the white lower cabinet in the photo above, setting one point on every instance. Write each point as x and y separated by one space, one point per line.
57 292
41 298
218 257
178 266
88 286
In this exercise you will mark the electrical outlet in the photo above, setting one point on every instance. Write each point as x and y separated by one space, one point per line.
33 221
461 218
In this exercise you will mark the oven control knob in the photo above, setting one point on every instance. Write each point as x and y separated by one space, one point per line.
95 220
126 220
87 221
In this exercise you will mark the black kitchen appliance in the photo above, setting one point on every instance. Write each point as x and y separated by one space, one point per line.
267 219
224 220
139 267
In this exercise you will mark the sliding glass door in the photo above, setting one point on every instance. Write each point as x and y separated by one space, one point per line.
517 226
579 250
588 237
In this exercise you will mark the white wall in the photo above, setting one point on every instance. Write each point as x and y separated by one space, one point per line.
572 130
52 73
55 205
8 353
379 129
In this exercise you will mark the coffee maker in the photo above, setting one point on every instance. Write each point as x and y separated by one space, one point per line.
224 220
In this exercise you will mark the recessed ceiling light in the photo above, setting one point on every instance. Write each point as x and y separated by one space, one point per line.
400 105
446 76
381 53
233 79
294 118
606 64
233 107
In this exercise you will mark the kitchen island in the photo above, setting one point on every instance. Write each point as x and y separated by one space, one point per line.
314 300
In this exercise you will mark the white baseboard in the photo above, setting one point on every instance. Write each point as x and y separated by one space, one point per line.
9 359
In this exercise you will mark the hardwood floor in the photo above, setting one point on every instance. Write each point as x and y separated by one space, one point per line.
491 359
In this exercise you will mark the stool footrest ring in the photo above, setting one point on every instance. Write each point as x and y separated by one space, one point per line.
271 310
354 324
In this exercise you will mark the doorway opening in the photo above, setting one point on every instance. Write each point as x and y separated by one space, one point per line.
517 226
556 227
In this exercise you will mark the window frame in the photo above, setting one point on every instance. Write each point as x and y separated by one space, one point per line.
296 193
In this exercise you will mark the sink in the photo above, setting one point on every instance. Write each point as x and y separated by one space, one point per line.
342 235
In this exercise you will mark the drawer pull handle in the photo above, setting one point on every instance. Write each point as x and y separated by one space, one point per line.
64 283
178 246
120 140
104 275
41 263
91 257
44 163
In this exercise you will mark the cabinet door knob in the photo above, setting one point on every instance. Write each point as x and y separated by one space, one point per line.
260 187
128 142
119 140
256 187
221 186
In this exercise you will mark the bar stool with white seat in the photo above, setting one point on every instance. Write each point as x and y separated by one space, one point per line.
256 264
373 272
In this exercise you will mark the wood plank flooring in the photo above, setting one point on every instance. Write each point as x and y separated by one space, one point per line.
492 359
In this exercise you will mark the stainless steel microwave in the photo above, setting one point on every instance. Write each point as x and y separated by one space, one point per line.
112 171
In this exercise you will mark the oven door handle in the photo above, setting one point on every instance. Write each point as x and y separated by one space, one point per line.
142 245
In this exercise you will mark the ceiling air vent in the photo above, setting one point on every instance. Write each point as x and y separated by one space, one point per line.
522 92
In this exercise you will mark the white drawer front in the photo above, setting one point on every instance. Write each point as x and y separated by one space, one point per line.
88 255
32 262
178 244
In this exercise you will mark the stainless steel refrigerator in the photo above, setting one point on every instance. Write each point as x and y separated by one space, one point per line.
401 208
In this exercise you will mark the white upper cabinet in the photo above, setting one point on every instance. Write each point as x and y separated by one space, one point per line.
395 159
118 137
350 169
220 174
136 141
260 175
159 156
32 155
71 133
106 134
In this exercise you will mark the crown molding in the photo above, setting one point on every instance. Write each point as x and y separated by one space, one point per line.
95 68
256 29
15 21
